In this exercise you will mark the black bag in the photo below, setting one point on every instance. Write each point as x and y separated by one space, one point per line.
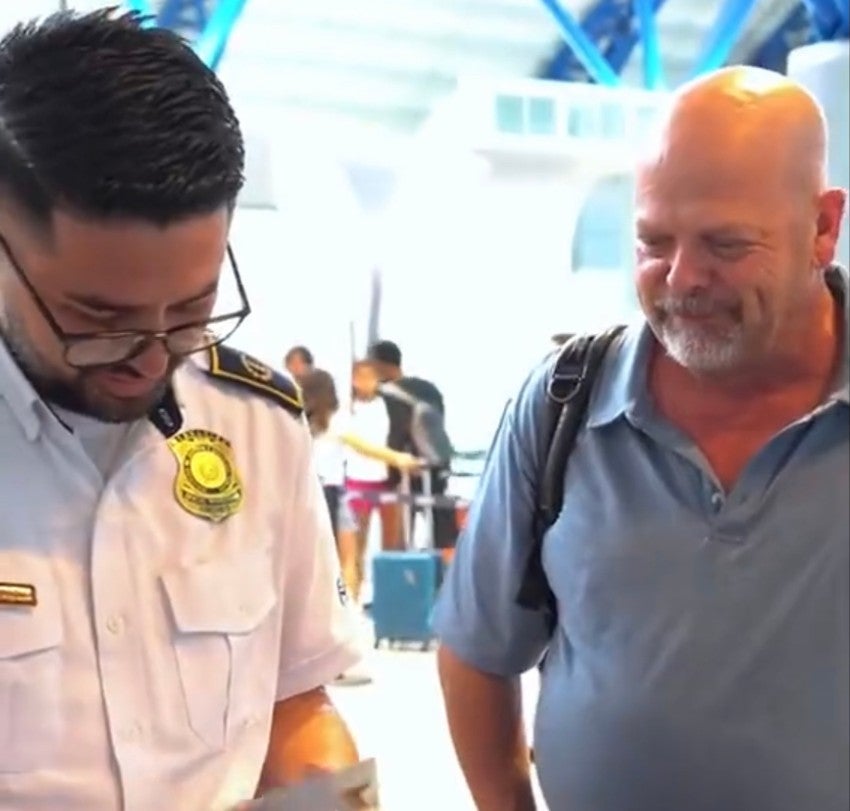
427 427
574 374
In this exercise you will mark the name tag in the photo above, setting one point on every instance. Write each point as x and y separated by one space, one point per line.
18 594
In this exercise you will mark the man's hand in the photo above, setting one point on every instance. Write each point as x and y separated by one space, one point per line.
352 789
307 736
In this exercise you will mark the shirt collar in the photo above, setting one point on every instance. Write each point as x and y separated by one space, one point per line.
622 386
622 389
18 392
839 283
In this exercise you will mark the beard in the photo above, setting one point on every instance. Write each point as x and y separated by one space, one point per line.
80 393
716 344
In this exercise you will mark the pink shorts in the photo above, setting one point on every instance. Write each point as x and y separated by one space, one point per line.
359 505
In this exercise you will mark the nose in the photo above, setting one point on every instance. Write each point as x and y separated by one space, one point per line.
686 270
152 362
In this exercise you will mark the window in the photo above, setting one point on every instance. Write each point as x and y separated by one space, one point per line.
541 116
603 235
509 114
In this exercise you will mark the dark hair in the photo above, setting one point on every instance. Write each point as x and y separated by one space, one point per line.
385 352
110 118
299 352
318 393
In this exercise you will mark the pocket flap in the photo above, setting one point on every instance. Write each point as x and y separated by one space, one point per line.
231 594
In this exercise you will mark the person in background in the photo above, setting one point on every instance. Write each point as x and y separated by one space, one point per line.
170 609
367 477
298 361
321 406
332 435
387 359
699 655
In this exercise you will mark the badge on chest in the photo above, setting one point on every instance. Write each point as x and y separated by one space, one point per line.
207 484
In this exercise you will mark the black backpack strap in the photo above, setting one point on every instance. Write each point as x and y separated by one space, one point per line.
570 385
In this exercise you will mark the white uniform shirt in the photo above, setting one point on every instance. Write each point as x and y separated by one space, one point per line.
146 675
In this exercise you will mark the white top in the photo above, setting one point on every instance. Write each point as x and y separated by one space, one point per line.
329 452
146 675
370 421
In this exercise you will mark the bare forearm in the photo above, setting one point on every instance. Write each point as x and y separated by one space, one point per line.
307 735
379 452
485 721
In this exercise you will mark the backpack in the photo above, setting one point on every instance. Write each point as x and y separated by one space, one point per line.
427 428
574 374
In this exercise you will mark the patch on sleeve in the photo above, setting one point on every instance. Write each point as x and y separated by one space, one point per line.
341 591
244 370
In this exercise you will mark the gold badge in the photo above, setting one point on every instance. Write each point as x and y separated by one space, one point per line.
18 594
207 483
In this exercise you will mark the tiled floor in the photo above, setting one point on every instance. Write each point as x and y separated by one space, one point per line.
398 719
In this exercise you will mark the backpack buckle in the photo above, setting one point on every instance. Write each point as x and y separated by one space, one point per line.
563 387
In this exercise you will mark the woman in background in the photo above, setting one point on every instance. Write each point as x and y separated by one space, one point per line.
367 475
337 445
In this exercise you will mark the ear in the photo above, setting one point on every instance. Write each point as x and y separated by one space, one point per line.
830 212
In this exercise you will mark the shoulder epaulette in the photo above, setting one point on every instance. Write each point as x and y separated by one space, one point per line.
243 370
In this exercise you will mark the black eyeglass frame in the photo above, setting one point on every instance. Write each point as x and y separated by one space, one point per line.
145 338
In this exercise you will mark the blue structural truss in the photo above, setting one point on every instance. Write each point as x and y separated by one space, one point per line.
597 47
205 23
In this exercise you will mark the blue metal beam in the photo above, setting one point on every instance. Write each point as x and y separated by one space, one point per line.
188 17
212 42
828 18
143 8
610 24
582 45
723 35
794 31
169 13
843 7
653 68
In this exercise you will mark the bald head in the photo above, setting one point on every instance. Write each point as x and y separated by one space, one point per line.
734 220
746 122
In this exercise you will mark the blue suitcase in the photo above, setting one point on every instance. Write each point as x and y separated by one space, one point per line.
405 586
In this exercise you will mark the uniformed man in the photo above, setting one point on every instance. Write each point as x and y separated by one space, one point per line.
170 605
699 656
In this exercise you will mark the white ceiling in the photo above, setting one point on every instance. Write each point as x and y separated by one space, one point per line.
379 62
386 63
383 65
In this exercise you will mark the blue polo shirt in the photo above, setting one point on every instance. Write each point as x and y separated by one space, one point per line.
701 661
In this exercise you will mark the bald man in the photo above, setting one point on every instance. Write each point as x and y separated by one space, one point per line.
699 661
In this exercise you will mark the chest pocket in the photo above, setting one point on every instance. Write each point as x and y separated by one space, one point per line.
31 716
225 642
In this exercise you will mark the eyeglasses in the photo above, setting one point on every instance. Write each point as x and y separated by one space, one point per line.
84 350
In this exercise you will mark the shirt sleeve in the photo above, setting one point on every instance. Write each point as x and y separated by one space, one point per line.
319 635
476 615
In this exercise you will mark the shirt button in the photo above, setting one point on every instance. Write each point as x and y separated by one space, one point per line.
717 500
115 624
131 733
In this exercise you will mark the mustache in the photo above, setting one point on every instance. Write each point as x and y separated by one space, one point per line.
695 304
126 368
